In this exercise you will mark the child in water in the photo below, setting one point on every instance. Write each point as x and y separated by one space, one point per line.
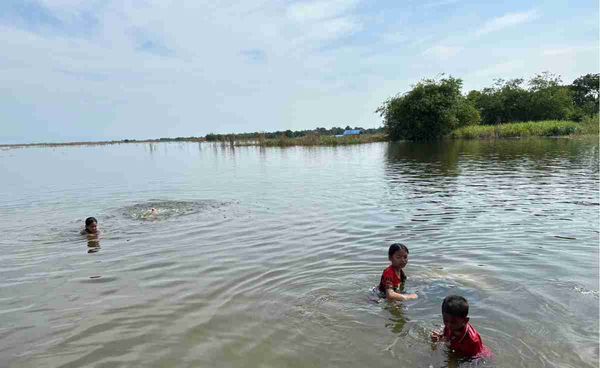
393 277
152 213
458 332
91 226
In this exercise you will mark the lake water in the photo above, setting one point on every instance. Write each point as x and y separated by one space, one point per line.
265 257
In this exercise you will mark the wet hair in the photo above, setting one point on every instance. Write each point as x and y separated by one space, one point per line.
396 247
90 220
456 306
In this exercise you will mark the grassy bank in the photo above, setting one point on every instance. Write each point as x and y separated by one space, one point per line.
313 140
548 128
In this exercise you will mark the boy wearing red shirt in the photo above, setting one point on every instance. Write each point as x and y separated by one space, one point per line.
458 332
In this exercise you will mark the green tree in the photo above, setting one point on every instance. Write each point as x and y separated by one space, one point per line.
505 101
509 101
585 93
429 111
548 98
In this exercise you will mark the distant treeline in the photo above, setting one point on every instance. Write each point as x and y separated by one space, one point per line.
99 143
177 139
433 108
286 133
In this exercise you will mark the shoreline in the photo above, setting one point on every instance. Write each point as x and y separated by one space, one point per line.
102 143
520 130
274 143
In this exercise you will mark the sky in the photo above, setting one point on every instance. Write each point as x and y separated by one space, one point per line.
90 70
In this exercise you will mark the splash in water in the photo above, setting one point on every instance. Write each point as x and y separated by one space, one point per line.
155 210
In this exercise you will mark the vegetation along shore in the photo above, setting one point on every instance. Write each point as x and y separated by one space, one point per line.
437 109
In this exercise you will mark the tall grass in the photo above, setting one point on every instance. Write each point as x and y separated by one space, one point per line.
314 140
591 125
547 128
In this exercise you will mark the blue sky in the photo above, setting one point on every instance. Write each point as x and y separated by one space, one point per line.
96 70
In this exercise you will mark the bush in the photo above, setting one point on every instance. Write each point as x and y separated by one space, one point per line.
429 111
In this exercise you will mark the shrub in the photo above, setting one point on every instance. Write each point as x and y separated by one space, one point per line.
429 111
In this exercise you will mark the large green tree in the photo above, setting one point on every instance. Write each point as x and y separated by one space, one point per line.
432 109
549 99
505 101
585 93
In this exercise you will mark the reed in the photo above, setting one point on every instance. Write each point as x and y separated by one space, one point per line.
313 140
547 128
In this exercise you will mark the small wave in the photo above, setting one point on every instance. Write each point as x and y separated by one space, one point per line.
155 210
565 237
575 287
586 203
584 291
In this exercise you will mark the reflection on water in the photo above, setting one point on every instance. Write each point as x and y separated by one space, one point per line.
397 320
272 266
93 244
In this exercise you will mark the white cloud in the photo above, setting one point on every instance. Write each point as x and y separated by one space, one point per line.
434 4
569 50
499 70
506 21
320 10
395 37
442 52
320 21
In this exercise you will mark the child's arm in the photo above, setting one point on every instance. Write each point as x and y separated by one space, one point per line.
391 295
437 336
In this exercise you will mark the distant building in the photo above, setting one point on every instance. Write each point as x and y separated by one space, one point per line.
352 132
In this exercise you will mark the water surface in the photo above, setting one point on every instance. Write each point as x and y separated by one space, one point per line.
264 257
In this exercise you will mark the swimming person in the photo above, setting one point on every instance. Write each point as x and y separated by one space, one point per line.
458 332
151 213
91 226
393 277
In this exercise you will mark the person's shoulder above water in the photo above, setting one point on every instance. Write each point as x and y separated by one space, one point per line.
461 336
470 344
479 348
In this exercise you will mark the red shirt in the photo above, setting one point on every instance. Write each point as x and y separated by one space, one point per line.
389 278
469 345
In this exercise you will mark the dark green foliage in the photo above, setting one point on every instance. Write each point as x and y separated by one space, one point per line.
585 93
545 98
434 108
549 99
429 111
503 102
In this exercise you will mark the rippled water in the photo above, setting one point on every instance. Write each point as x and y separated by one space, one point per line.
264 257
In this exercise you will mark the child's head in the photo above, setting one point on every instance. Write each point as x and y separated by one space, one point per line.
398 255
455 310
91 225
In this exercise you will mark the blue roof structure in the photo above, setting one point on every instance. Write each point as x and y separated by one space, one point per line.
352 132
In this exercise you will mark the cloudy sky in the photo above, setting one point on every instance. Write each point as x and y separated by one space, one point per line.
96 70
